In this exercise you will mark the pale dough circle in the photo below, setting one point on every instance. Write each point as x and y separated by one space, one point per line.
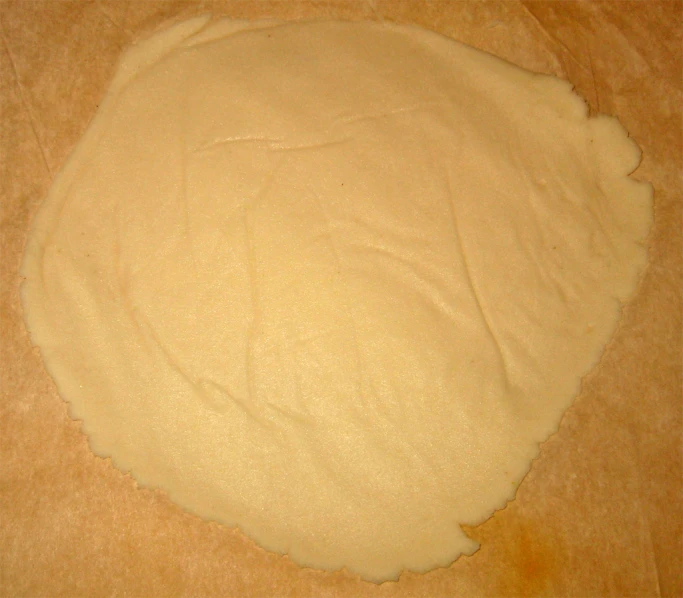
333 282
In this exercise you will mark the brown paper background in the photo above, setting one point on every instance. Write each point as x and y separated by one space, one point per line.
600 512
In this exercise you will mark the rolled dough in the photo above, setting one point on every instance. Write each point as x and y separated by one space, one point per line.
331 282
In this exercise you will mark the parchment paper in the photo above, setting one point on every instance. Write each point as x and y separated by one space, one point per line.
599 514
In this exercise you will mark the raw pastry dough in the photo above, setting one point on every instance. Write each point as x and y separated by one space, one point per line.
333 282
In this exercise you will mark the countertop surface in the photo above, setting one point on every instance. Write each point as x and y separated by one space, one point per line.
600 513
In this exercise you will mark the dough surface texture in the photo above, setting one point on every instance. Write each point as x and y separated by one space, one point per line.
331 282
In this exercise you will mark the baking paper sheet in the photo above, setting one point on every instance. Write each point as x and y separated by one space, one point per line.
600 512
